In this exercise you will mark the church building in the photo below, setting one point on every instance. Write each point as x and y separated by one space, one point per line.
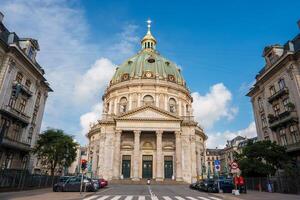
147 129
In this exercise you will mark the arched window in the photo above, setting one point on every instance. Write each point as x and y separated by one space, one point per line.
172 105
123 105
148 100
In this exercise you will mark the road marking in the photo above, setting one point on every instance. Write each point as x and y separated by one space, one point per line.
141 198
128 198
103 197
116 198
203 198
215 198
192 198
167 198
90 198
154 198
179 198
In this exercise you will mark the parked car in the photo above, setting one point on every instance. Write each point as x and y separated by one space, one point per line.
73 185
226 185
209 185
96 184
102 182
195 186
64 178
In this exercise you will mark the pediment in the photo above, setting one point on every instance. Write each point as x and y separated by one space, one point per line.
148 113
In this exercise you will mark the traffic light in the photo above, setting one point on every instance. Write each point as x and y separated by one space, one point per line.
83 164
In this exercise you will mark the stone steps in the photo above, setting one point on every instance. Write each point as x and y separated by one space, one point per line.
144 182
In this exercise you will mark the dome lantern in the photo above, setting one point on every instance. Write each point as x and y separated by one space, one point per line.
148 42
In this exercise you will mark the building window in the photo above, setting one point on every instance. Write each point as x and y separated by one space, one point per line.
281 84
148 100
272 58
22 105
276 109
285 103
172 105
12 102
19 77
272 90
264 121
4 126
294 133
283 139
16 133
31 53
123 105
30 133
8 160
28 83
260 104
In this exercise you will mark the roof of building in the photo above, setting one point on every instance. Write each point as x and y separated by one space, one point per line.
148 64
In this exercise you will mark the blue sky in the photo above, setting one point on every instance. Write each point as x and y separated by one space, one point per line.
218 45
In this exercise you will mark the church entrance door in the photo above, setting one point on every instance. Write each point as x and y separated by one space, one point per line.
168 166
147 167
126 165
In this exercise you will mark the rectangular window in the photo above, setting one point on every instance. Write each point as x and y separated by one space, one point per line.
28 83
22 105
283 140
294 133
281 84
276 109
285 103
12 102
19 77
272 90
264 121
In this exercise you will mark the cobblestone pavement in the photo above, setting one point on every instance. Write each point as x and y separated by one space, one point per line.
142 192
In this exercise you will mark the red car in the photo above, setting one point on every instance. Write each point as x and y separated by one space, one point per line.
102 182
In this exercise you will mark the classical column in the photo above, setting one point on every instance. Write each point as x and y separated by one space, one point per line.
178 156
136 155
116 165
193 157
159 156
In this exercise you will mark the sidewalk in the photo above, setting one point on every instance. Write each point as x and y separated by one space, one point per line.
255 195
40 194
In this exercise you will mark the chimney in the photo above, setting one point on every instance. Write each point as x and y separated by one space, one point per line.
1 16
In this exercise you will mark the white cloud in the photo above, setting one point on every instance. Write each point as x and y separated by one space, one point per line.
87 119
213 106
94 80
219 139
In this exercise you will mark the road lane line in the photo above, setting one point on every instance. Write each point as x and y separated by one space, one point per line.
116 198
154 198
167 198
203 198
128 198
141 198
215 198
103 197
191 198
179 198
90 198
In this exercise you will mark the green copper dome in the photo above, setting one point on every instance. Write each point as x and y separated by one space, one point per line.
148 64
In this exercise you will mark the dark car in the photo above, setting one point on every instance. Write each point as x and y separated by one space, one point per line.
195 186
73 185
64 178
226 185
209 185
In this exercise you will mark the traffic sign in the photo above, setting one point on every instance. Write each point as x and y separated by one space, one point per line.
217 165
234 165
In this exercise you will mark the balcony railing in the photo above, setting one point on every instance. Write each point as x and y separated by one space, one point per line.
12 112
293 147
278 94
283 119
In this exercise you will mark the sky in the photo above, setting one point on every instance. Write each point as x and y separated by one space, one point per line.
217 44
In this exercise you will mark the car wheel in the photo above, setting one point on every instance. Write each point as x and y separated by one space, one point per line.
209 189
58 189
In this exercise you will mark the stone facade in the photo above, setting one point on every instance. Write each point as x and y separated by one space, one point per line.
275 96
147 129
23 94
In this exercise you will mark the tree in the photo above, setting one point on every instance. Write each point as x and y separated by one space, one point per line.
262 158
55 148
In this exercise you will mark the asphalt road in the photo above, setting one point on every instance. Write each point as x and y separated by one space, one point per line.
151 192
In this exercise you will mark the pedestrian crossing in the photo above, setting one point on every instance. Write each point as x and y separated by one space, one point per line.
148 197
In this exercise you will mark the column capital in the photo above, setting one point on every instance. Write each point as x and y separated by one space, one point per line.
177 133
137 132
159 132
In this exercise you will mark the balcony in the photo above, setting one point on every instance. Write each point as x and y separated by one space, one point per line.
23 89
14 113
293 147
278 94
282 119
15 143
